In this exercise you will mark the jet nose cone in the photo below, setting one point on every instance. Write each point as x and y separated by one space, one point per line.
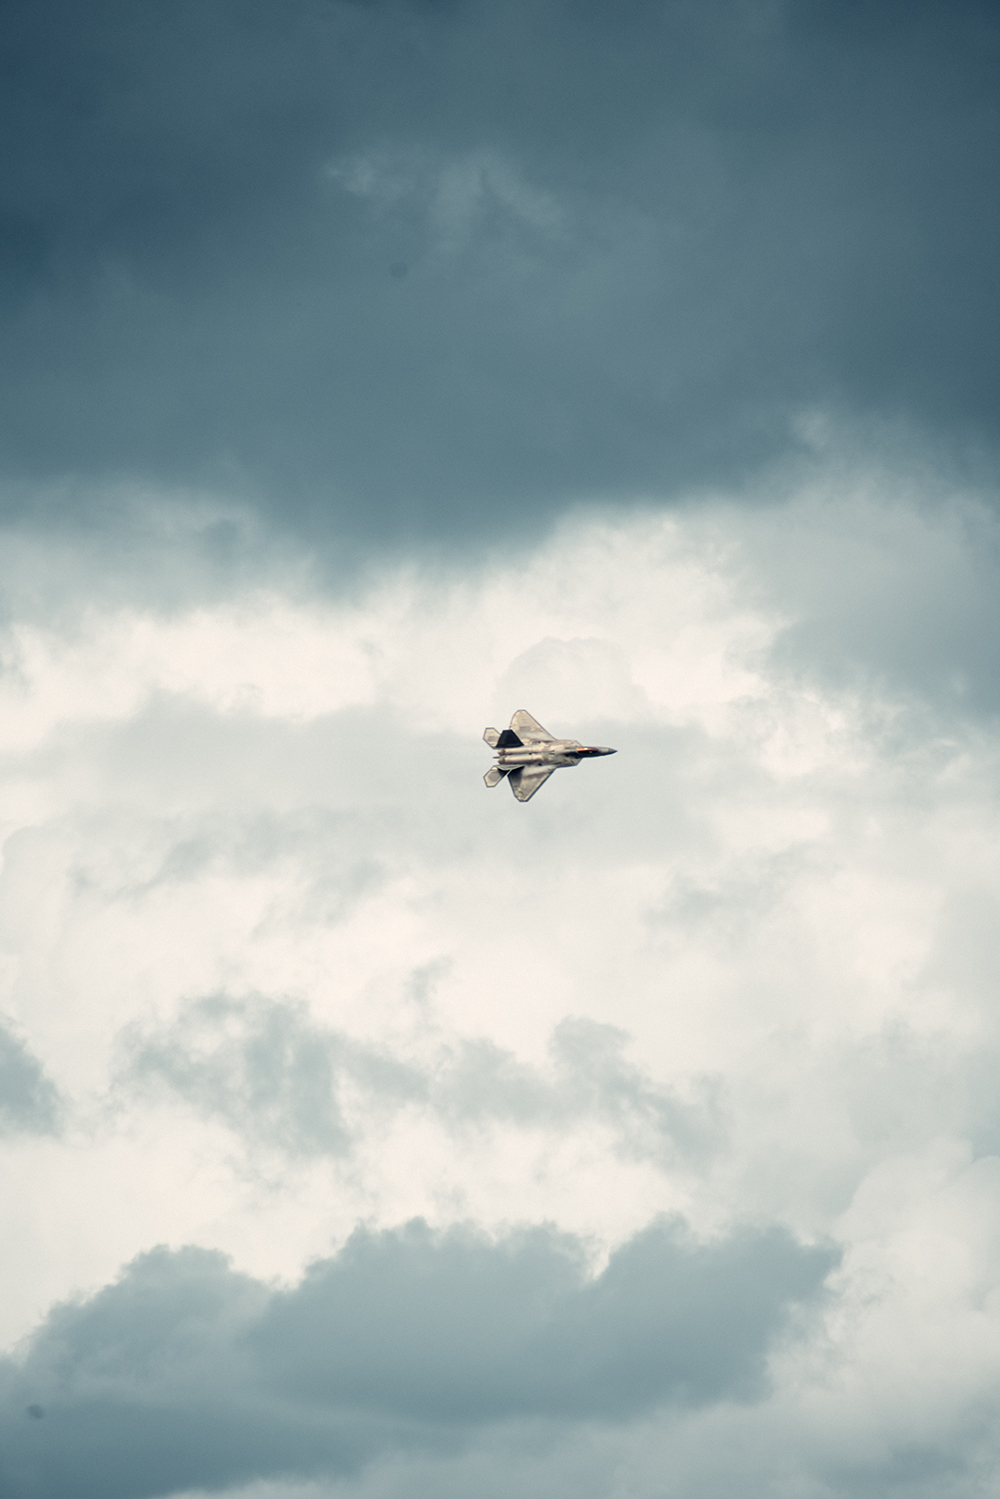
603 750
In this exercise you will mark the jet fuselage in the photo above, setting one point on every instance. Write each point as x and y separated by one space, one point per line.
556 752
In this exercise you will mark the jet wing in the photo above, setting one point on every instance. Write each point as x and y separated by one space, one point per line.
528 729
524 782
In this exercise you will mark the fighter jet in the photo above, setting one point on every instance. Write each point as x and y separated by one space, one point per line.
527 755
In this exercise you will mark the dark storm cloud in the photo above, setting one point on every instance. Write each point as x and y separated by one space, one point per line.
186 1374
29 1102
382 266
271 1074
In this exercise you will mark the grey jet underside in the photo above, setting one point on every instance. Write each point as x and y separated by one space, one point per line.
527 755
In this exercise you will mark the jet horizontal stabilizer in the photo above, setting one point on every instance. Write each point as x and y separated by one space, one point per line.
524 783
494 775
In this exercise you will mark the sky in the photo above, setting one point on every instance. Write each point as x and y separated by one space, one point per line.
369 371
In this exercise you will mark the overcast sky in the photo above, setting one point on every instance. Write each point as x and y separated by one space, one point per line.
369 371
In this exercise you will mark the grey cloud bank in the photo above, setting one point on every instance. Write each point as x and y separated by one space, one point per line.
185 1373
381 268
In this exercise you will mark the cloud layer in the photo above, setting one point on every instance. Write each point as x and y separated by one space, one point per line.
276 962
185 1373
428 270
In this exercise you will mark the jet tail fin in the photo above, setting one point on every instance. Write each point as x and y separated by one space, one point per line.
492 737
494 775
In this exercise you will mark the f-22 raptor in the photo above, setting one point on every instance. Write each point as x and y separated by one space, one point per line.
527 755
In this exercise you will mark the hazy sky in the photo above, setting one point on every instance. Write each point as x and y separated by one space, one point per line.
369 371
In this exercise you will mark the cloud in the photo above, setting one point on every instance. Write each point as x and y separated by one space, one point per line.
639 241
886 580
291 967
29 1101
185 1373
283 1082
268 1072
593 1081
